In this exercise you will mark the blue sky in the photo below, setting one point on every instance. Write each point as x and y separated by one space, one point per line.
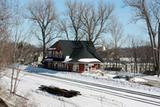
124 14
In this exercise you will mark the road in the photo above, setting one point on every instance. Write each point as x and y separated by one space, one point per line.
119 92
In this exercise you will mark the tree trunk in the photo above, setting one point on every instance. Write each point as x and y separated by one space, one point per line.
16 80
153 44
12 76
44 43
44 49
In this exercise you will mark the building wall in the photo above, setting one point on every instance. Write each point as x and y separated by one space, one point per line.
80 68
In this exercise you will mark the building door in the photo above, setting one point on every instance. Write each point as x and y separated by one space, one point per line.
70 67
81 68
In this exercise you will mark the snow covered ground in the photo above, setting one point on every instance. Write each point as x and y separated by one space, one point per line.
153 78
29 83
106 79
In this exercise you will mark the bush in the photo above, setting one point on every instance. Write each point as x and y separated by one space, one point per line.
113 69
149 72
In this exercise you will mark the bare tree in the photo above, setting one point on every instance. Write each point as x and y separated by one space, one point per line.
64 28
116 31
87 21
135 57
74 13
148 11
18 38
4 33
95 20
43 14
17 35
5 45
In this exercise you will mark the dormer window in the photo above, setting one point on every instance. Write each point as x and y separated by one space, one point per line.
56 54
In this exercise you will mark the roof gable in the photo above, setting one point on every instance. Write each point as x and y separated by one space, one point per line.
77 49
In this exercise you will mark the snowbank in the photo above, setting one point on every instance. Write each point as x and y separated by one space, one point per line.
153 78
105 79
136 79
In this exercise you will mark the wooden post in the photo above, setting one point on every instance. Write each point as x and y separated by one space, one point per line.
12 76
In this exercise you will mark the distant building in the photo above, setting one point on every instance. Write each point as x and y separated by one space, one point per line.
76 56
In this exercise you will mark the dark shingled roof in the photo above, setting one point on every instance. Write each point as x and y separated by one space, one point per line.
78 49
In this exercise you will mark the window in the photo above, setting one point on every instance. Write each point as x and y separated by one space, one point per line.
49 53
56 54
60 54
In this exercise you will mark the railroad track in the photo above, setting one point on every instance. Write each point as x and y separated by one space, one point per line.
128 94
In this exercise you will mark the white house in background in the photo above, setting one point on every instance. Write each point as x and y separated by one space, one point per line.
40 58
